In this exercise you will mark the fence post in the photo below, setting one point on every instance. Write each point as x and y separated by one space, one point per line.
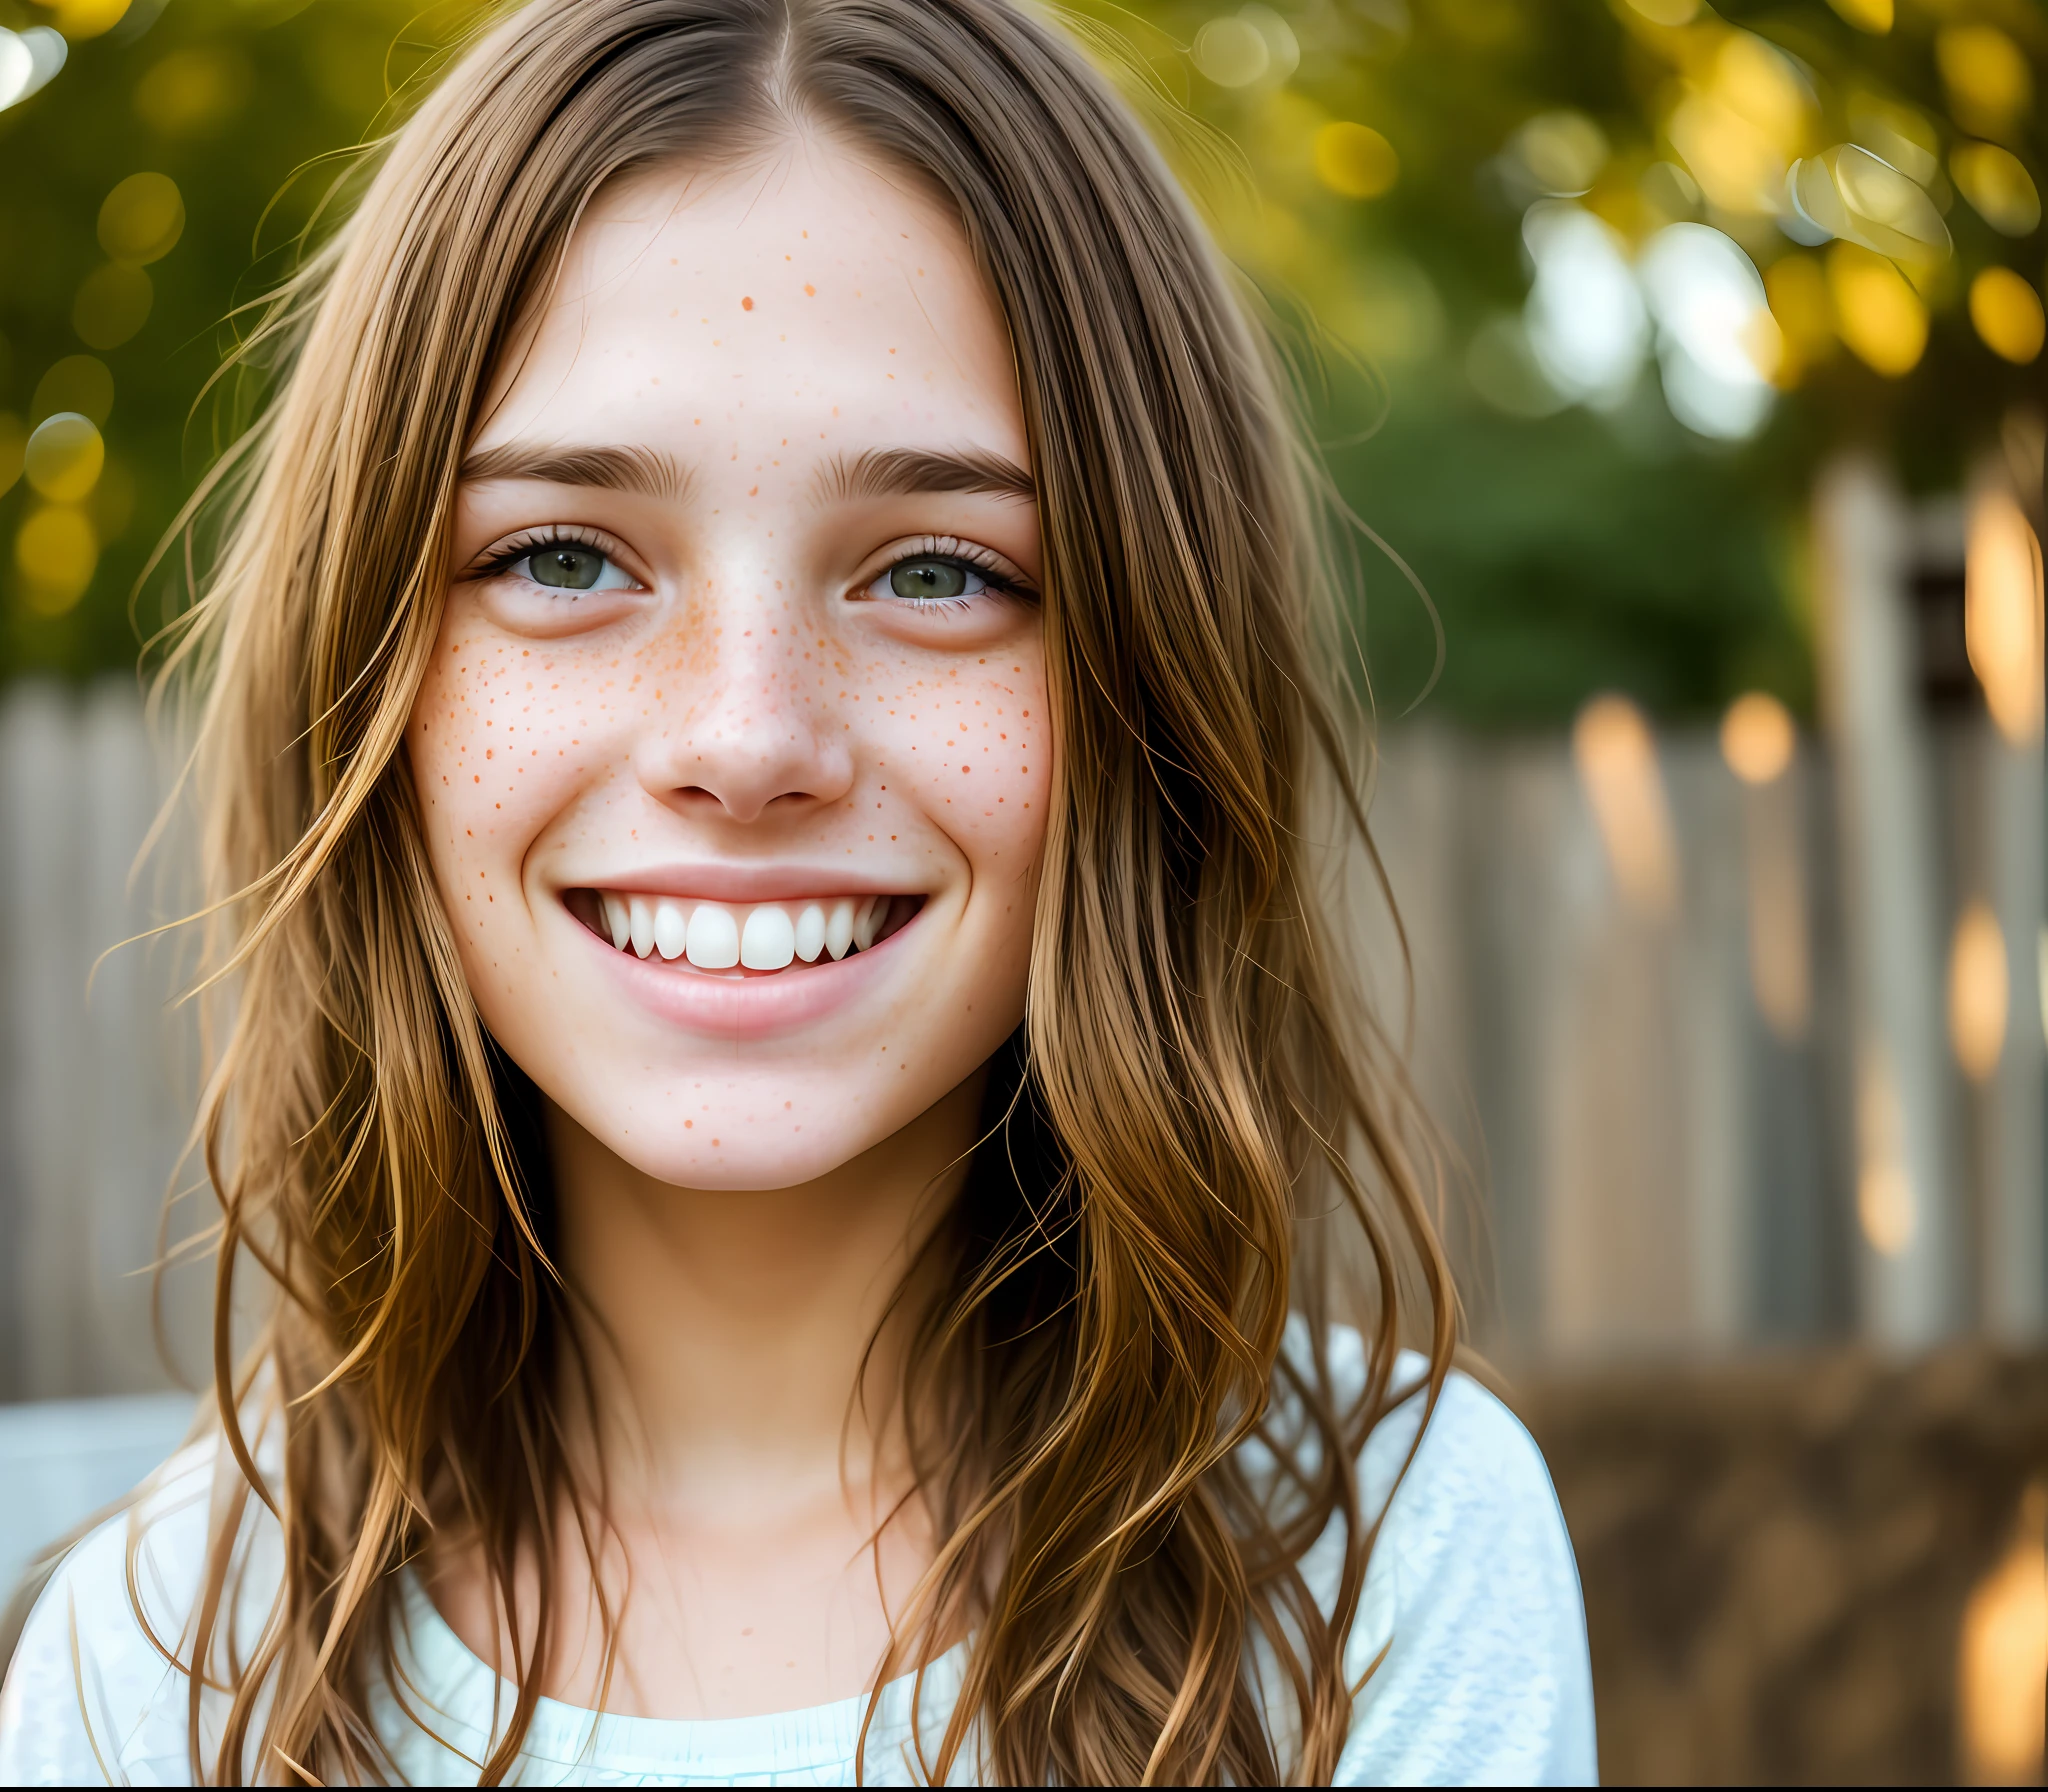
1905 1207
44 1074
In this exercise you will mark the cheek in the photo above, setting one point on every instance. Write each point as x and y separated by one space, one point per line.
968 745
500 736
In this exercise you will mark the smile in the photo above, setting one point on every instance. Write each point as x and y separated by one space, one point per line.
735 939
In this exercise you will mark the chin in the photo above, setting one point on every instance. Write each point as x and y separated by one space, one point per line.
746 1159
749 1131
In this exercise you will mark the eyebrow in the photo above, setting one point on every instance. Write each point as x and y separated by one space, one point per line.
648 472
873 473
898 472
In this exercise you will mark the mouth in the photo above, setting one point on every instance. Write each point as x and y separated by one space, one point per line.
733 941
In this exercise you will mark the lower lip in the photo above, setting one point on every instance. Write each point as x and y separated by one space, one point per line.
746 1007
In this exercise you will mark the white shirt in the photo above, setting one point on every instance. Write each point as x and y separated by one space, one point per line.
1471 1590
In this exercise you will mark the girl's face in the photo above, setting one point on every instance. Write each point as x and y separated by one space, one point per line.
733 757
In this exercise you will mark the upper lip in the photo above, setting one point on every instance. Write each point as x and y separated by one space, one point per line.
743 883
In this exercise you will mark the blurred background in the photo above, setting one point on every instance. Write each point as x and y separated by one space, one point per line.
1682 368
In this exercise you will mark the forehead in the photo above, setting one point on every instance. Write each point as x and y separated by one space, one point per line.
806 294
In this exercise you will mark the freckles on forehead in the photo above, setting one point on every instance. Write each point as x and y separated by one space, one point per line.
694 301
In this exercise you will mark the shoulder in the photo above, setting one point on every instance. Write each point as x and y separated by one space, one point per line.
1470 1641
96 1691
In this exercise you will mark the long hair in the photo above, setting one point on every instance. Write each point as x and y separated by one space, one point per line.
1197 1132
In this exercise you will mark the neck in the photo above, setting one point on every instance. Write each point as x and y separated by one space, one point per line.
729 1328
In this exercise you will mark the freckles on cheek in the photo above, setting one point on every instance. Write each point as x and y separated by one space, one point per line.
972 743
503 732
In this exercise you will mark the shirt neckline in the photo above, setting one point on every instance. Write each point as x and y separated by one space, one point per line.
452 1691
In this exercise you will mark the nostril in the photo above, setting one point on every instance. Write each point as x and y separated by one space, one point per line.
696 796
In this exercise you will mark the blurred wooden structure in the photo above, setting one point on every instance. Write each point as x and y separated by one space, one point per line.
96 1088
1778 1557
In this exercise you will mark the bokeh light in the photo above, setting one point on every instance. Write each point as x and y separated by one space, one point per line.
1758 738
112 304
2002 1659
193 92
79 383
1848 192
1989 82
1886 1209
1759 742
1874 16
2006 312
1978 991
1561 152
1718 344
64 456
55 552
1797 289
1742 124
1667 12
78 19
142 218
1255 45
1997 184
1897 133
29 60
1586 321
1879 315
2002 613
1616 756
1355 160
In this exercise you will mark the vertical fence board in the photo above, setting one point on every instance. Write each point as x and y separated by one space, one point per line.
48 1093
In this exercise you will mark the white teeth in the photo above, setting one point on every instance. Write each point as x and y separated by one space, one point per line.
618 918
867 918
764 936
769 942
714 943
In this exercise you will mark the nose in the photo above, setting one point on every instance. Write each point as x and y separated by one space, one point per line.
738 736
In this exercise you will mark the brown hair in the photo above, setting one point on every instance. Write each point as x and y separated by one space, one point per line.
1194 1107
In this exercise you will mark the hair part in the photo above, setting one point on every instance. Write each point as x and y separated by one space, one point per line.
1197 1098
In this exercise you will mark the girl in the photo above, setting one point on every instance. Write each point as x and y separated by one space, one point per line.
785 1070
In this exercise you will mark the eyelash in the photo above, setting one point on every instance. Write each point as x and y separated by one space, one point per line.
996 572
529 541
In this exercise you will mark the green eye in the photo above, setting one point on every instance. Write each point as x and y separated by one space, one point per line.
567 567
933 578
